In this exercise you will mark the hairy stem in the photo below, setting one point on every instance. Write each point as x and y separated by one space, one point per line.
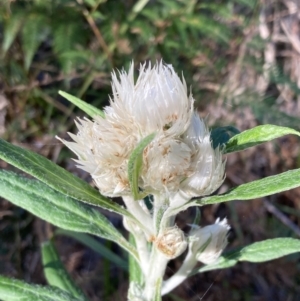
140 214
184 271
157 266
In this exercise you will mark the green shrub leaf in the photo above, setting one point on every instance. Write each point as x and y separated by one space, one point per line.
57 208
85 107
56 177
56 273
257 189
33 33
257 135
16 290
11 29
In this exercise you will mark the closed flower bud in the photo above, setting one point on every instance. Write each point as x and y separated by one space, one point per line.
208 243
171 242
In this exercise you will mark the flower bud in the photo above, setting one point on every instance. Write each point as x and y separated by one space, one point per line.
208 243
171 242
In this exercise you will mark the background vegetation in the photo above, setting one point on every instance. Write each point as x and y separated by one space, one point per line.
242 60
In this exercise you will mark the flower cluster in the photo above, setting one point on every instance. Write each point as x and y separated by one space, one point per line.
179 159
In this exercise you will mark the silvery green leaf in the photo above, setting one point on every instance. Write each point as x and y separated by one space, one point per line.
58 209
256 189
56 177
269 249
262 251
257 135
17 290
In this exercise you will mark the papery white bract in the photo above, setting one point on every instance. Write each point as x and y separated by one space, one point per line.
206 166
103 149
186 163
166 164
208 243
158 101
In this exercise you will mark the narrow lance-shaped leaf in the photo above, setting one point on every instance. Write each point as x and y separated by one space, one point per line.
56 273
58 209
257 252
16 290
269 249
85 107
257 135
135 165
256 189
56 177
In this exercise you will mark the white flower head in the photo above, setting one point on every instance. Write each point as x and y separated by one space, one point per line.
171 242
187 164
157 101
208 243
179 160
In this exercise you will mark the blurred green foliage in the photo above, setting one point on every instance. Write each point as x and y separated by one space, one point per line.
73 44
